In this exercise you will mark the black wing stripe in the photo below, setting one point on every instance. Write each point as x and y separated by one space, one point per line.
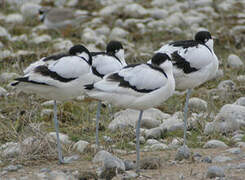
95 72
181 63
55 57
185 44
123 83
26 79
43 70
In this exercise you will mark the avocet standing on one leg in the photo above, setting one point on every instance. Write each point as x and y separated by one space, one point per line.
104 63
138 86
59 77
194 63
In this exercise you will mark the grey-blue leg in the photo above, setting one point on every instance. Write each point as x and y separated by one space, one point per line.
97 123
56 125
185 113
138 143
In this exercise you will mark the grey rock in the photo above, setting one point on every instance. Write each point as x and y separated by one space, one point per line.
41 39
152 141
240 101
159 147
234 61
129 165
215 144
158 13
173 123
3 92
130 175
29 9
63 45
234 150
128 118
142 140
80 146
134 10
150 163
14 18
12 168
150 123
59 175
118 32
230 118
221 159
175 143
103 156
215 171
154 133
70 159
183 153
227 85
197 104
5 77
10 149
207 159
64 139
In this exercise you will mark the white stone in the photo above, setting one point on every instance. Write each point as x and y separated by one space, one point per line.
14 18
50 103
47 112
173 123
89 35
30 10
158 13
10 149
234 61
215 144
111 10
215 171
241 78
3 92
41 39
230 118
80 146
150 123
154 133
134 10
63 45
4 33
103 156
64 139
197 104
159 147
129 117
5 77
174 20
162 3
152 141
226 85
240 101
5 54
103 30
221 159
118 32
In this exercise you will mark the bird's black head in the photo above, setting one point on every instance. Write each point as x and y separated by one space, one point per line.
113 47
42 13
160 58
203 36
77 50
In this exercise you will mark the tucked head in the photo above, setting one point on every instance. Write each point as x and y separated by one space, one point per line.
42 13
160 58
115 48
81 51
205 38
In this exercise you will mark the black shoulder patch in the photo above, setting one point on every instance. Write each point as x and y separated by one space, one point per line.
43 70
181 63
123 83
89 86
185 44
26 79
55 57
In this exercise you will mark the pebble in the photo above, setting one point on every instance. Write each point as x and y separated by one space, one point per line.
149 123
207 159
154 133
80 146
63 45
12 168
3 92
152 141
10 149
197 105
159 147
150 163
234 61
241 78
221 158
118 33
183 153
72 158
47 112
134 10
50 103
41 39
129 165
30 9
215 171
104 156
175 122
234 150
64 139
14 18
227 85
130 175
215 144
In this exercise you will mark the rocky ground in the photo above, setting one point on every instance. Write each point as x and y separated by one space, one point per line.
216 123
